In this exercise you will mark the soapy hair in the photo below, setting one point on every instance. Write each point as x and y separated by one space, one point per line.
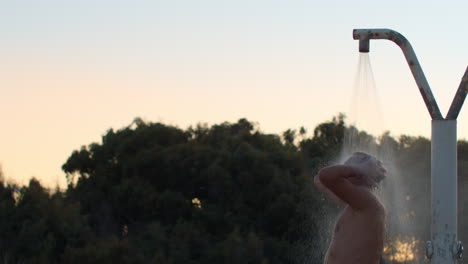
359 159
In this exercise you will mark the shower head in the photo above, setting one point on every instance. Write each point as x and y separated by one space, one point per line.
364 35
364 45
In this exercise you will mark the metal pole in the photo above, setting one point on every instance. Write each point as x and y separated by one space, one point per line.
444 191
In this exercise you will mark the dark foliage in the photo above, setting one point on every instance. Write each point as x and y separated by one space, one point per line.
152 193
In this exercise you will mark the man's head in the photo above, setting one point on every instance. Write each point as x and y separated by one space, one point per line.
369 165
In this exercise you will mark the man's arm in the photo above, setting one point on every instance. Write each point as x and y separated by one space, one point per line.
329 194
347 183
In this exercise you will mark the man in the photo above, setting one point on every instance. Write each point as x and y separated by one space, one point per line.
360 229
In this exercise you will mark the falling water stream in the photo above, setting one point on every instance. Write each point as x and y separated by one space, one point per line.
365 112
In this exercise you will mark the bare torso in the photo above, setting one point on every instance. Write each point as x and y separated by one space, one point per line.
358 236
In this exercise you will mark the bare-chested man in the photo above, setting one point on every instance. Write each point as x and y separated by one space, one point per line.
360 230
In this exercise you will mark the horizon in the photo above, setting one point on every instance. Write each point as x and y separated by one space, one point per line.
52 187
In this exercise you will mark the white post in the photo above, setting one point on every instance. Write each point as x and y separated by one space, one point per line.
444 192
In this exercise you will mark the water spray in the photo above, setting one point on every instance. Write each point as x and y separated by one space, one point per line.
444 247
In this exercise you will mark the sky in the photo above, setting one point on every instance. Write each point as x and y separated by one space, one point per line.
71 70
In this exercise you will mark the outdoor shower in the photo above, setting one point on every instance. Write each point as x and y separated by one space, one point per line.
444 247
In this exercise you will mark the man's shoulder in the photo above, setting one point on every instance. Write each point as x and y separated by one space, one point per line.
376 209
371 204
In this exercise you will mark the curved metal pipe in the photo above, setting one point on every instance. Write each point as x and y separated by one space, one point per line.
364 35
459 99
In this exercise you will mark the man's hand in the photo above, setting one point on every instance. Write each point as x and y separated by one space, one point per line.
360 177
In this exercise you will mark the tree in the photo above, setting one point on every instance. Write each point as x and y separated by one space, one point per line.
247 185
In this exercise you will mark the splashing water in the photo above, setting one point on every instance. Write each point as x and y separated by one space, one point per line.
366 120
404 244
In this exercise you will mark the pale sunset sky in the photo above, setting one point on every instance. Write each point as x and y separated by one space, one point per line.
70 70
